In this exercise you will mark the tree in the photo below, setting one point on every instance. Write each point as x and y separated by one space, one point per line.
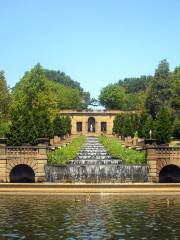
4 97
126 124
30 109
176 91
112 96
176 128
163 125
136 85
118 124
160 92
61 126
147 127
68 84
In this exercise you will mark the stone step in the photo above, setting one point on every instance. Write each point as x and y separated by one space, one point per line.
82 153
95 162
94 151
92 157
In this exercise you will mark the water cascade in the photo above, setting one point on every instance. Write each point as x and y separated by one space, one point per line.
94 164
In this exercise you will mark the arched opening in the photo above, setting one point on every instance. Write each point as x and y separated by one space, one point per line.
22 174
91 124
169 174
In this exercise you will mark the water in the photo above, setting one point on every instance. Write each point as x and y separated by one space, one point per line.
95 164
96 217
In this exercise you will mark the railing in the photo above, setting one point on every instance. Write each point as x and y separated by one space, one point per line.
21 150
163 152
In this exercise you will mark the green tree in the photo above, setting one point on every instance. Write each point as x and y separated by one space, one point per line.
160 92
146 127
176 92
112 96
30 109
66 83
142 121
126 124
4 97
163 126
176 128
118 124
136 85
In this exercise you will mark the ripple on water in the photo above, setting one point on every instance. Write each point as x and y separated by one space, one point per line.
101 217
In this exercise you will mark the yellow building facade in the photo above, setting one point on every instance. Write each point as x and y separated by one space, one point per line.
91 122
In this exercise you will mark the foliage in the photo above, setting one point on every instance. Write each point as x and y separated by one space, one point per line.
176 89
163 126
4 97
160 92
63 155
64 97
149 94
136 85
176 128
147 127
61 126
61 78
70 90
134 101
30 109
4 128
112 96
126 124
129 156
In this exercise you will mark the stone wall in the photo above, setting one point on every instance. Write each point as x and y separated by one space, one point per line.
99 116
158 157
34 157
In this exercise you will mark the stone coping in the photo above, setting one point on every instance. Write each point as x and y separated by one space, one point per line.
98 188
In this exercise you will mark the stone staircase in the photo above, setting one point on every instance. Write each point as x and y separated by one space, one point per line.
93 153
94 164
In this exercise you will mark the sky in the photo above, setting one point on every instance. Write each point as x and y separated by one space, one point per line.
96 42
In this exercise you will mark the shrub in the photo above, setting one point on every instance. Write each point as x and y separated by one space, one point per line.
115 148
61 126
176 129
63 155
163 126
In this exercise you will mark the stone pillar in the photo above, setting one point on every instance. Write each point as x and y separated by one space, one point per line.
41 159
84 127
3 162
152 158
73 123
98 127
110 125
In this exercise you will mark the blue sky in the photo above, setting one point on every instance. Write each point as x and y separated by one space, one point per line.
95 42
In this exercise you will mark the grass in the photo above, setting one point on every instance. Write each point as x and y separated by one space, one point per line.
63 155
117 150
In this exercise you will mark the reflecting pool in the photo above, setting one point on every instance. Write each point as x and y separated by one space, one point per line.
89 217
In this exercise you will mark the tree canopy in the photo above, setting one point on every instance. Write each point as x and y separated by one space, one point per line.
156 97
4 96
160 91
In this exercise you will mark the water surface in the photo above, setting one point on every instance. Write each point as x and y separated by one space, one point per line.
89 217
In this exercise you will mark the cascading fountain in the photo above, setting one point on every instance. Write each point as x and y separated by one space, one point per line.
94 164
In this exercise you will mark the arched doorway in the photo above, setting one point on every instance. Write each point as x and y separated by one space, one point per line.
22 174
170 174
91 124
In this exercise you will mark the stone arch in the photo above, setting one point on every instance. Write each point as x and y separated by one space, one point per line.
22 173
170 174
11 164
165 162
91 122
